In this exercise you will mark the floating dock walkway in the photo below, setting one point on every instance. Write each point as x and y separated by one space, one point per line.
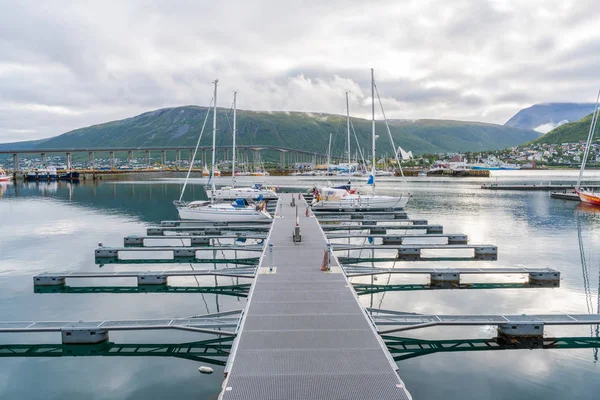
305 335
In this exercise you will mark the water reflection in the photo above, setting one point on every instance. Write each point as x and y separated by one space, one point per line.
580 213
55 228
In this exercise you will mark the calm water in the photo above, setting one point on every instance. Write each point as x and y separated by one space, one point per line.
55 227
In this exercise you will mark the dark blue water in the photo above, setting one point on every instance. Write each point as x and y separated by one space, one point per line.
55 227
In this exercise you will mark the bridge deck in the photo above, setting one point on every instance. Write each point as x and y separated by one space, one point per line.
305 335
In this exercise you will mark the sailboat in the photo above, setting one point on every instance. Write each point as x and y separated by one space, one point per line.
239 210
255 192
341 198
588 195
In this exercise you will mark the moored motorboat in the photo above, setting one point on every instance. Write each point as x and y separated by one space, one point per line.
31 176
69 176
43 175
52 173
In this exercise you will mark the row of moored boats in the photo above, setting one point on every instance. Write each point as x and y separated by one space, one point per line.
249 203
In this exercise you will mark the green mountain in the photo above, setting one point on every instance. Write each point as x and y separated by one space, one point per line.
307 131
568 133
549 115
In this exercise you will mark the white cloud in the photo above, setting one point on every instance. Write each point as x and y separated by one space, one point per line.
66 65
547 127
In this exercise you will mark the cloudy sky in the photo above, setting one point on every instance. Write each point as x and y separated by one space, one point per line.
68 64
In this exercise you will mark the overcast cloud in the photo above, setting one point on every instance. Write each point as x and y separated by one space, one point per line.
69 64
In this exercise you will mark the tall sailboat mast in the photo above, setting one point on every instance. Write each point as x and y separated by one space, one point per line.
234 135
348 126
373 122
329 153
214 142
589 141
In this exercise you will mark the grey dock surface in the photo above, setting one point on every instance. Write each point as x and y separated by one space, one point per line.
305 335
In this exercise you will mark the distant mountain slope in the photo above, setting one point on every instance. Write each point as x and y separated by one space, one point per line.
569 133
545 117
308 131
29 144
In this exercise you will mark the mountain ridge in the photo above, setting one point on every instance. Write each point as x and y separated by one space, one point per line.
568 133
179 126
544 117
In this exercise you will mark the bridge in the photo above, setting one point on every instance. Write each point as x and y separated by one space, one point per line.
287 155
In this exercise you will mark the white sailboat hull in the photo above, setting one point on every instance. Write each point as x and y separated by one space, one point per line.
363 201
217 212
241 193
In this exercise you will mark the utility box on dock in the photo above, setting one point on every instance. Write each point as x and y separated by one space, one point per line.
42 280
445 277
151 279
550 276
520 329
83 335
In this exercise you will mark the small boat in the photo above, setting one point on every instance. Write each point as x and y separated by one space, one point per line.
250 193
342 199
510 167
588 195
69 176
484 167
205 171
4 177
52 173
42 175
421 173
31 176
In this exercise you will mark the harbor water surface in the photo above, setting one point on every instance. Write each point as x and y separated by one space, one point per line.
52 227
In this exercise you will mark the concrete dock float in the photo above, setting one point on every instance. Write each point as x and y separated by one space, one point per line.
305 335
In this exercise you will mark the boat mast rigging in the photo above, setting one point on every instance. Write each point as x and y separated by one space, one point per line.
373 125
589 141
195 151
233 144
214 142
348 128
